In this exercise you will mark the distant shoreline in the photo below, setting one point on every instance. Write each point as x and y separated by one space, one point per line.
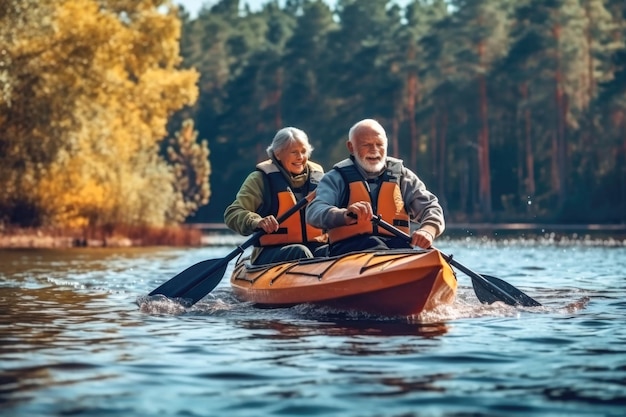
217 234
221 227
120 237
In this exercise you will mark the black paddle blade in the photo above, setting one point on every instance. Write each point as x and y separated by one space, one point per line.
205 284
203 276
488 289
496 289
198 280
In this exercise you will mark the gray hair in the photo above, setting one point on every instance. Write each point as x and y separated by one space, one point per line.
369 124
285 137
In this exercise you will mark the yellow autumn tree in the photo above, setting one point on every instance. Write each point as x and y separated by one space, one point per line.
93 82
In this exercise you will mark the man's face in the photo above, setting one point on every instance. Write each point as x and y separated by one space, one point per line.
369 149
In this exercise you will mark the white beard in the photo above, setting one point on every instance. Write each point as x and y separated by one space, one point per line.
369 167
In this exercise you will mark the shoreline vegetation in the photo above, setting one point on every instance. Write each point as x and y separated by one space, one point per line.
216 234
23 238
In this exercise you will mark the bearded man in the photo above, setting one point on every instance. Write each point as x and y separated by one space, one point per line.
370 182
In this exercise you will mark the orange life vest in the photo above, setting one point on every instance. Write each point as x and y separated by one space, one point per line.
387 202
279 198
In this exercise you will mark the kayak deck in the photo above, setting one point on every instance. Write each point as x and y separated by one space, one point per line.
394 282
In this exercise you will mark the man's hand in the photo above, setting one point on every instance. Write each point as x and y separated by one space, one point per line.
422 238
358 212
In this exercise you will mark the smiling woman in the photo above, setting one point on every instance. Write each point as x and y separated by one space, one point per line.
274 188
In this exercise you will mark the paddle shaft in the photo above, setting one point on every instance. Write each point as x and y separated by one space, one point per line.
505 296
493 288
198 280
256 235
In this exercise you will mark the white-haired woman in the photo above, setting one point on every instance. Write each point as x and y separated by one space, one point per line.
273 187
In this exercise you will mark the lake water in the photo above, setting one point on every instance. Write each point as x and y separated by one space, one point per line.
79 337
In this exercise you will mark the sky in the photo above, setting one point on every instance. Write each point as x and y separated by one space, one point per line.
194 6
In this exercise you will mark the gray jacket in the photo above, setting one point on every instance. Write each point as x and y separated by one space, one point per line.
325 212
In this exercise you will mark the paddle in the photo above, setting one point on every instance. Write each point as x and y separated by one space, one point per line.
488 289
199 279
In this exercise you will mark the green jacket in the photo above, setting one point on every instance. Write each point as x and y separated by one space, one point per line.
241 215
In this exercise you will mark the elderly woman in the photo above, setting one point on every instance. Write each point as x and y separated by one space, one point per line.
274 187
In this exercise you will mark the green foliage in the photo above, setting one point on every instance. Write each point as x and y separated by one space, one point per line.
495 104
192 169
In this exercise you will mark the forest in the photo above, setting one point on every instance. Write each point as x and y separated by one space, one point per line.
132 112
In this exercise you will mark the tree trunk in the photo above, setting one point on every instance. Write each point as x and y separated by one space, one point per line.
559 153
484 168
589 55
441 164
412 98
433 142
278 93
395 147
438 151
530 185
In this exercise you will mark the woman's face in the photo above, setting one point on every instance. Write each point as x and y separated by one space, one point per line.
293 157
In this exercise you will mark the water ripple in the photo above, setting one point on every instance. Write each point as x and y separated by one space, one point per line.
80 336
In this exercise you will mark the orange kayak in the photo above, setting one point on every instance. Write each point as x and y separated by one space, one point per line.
390 283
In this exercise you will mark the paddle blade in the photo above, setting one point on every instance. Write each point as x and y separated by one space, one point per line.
205 285
496 289
204 275
198 280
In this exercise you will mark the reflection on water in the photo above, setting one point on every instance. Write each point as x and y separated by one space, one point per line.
342 327
79 336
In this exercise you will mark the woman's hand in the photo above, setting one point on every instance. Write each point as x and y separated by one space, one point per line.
268 224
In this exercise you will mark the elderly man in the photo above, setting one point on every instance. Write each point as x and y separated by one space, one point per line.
368 183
